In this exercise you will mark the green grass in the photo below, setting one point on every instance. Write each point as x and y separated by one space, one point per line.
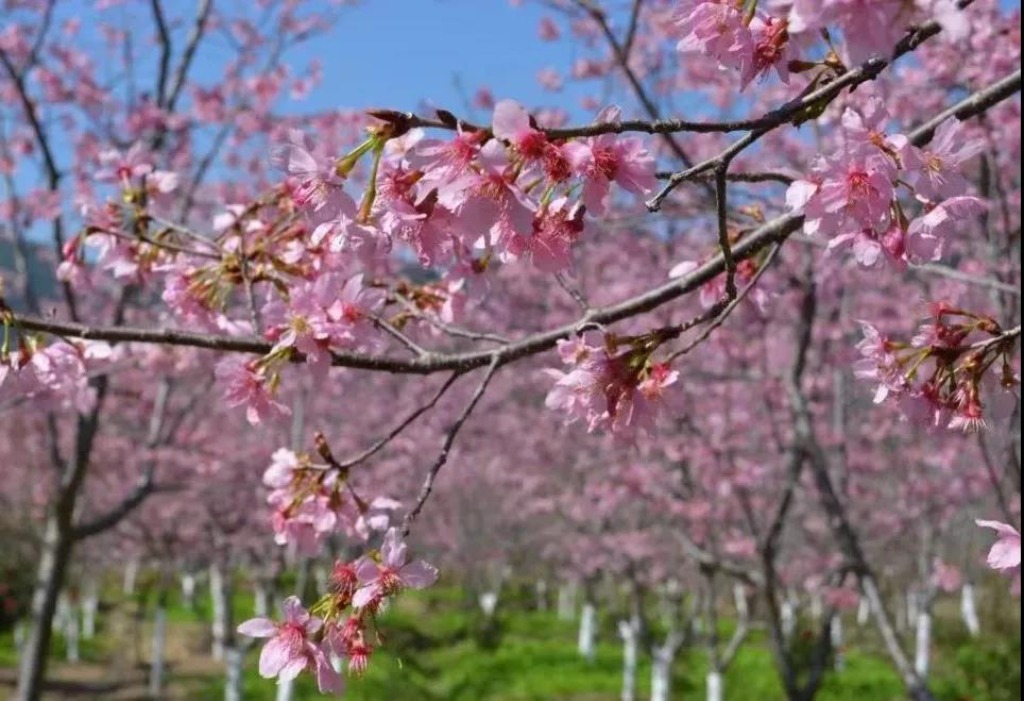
438 652
437 649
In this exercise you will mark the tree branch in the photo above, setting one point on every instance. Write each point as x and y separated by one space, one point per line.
145 485
449 439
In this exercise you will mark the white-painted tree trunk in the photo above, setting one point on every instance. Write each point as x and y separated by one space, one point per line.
586 642
188 590
131 575
923 644
817 607
787 614
234 659
567 602
72 632
262 601
739 595
19 636
489 603
158 645
90 608
219 606
863 611
661 674
629 632
716 689
836 637
969 609
912 608
541 590
60 615
72 638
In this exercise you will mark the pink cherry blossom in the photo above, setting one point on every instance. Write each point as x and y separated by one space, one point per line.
292 647
936 171
394 572
246 383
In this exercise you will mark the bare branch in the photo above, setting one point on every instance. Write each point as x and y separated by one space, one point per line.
728 308
405 423
145 485
446 445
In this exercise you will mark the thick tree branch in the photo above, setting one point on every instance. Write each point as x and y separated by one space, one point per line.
145 484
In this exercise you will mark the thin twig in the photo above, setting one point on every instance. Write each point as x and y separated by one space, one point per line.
405 423
729 308
446 445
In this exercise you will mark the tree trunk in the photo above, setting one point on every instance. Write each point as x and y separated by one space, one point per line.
90 606
788 616
715 686
19 637
131 575
188 590
489 603
262 600
567 602
72 633
220 603
817 608
234 658
923 643
969 609
629 632
541 590
662 658
836 637
912 608
863 611
157 647
53 562
586 642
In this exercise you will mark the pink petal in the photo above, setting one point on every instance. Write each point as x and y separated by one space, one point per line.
293 610
393 551
273 658
1005 554
293 667
364 596
367 571
510 119
1003 529
258 628
327 679
418 574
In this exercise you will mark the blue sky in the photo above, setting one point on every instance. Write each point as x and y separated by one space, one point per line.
396 53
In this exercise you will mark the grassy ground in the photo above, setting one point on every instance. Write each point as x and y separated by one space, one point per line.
437 650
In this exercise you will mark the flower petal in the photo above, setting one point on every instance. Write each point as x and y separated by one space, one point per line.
258 628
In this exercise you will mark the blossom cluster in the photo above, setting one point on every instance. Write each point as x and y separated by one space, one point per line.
312 501
742 35
303 257
341 624
56 374
615 390
941 377
852 195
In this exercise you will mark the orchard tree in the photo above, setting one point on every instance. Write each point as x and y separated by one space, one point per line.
823 260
